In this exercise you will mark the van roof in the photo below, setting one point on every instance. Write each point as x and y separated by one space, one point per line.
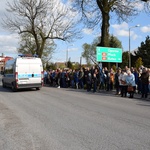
27 55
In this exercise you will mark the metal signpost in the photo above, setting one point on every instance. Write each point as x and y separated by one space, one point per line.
108 54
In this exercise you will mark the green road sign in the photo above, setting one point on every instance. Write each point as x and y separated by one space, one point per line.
108 54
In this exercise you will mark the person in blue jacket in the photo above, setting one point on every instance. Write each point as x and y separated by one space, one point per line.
130 81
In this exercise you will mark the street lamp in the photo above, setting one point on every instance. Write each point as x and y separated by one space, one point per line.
129 44
67 52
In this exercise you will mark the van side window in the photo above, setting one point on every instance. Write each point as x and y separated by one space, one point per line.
9 70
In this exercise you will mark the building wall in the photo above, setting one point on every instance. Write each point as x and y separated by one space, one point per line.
3 60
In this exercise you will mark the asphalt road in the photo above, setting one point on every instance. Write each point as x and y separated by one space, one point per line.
70 119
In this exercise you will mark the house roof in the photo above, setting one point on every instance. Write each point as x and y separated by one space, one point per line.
6 58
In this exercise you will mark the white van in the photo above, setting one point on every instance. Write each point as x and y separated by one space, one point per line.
23 72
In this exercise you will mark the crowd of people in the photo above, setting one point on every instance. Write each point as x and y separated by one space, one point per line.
123 81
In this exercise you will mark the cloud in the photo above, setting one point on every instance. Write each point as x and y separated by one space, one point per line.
12 39
124 25
9 49
71 49
138 5
122 30
134 36
145 28
8 43
87 31
3 4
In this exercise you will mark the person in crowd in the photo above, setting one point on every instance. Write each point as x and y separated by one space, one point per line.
131 69
112 79
92 70
136 74
117 81
149 80
49 77
81 77
144 82
88 80
130 81
76 78
71 76
68 78
58 77
54 78
106 78
108 81
102 79
126 68
95 80
139 83
45 77
63 78
122 83
85 75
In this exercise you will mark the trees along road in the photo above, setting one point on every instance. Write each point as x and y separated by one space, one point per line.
72 119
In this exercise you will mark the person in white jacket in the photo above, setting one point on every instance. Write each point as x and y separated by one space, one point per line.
122 83
130 81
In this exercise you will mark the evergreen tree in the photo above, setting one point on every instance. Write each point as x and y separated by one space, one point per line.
114 42
69 64
125 59
138 63
144 52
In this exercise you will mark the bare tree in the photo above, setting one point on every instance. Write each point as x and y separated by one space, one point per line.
43 19
28 46
147 6
99 13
